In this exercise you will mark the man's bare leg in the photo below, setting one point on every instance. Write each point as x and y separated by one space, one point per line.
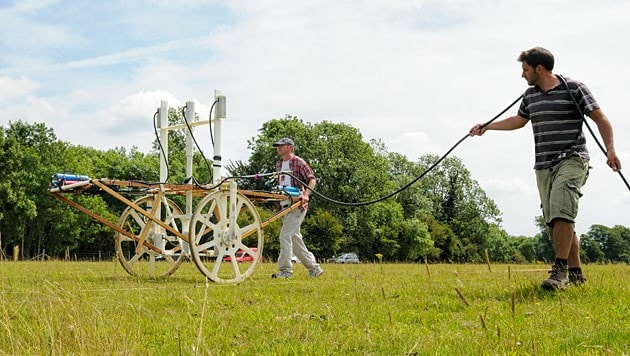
574 253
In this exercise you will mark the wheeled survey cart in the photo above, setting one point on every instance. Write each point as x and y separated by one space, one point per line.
153 235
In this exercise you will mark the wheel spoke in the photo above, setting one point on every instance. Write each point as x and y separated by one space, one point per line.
147 260
137 218
136 257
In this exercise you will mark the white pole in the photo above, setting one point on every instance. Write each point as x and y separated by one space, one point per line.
219 115
191 119
190 116
162 125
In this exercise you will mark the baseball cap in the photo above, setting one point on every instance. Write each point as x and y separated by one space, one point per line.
284 141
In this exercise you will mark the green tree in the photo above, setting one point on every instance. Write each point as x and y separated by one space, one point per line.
614 242
446 244
324 233
25 178
459 202
413 199
543 245
590 250
414 240
624 243
525 245
500 248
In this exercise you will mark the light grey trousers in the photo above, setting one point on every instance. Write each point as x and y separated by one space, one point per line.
291 241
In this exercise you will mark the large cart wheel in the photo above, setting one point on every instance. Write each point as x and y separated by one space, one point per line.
140 259
226 236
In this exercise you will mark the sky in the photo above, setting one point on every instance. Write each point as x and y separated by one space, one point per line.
416 75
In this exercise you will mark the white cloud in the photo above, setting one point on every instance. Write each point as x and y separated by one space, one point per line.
137 105
511 187
21 31
30 6
13 89
28 108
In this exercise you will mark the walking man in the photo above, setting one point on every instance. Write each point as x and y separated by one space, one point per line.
562 160
291 241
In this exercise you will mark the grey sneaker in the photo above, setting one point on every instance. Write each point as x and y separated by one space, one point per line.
282 274
316 272
577 278
559 278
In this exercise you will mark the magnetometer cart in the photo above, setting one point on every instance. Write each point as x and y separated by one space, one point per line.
155 234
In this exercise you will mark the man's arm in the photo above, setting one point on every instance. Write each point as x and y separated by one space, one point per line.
511 123
606 131
311 184
307 192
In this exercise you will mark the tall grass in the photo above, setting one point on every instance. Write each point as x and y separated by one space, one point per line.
89 308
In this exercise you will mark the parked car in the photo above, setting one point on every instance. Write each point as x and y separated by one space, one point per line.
242 256
350 257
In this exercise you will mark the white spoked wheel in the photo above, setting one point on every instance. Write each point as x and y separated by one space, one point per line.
226 237
139 259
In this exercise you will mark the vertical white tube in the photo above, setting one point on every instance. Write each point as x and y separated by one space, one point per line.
162 125
219 115
190 116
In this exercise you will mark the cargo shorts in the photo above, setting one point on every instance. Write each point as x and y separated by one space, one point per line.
560 188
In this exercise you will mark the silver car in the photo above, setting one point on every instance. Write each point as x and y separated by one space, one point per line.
346 258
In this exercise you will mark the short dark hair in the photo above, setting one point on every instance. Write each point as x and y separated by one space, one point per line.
537 56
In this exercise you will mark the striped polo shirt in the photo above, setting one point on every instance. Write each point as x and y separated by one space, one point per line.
556 121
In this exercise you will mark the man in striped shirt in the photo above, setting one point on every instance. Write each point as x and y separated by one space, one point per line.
561 156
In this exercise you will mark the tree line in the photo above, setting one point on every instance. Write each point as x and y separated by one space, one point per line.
443 217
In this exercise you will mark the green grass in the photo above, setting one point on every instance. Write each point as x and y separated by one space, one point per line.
89 308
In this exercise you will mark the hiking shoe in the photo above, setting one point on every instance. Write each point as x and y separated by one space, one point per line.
559 278
577 278
316 272
282 275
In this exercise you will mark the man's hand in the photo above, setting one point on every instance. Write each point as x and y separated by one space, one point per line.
304 198
613 161
477 130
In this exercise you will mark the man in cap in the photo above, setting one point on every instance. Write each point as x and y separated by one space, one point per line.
291 241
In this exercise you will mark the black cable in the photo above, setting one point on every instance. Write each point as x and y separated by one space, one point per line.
396 191
566 85
210 122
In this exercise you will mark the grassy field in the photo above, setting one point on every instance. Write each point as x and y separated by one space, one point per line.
90 308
